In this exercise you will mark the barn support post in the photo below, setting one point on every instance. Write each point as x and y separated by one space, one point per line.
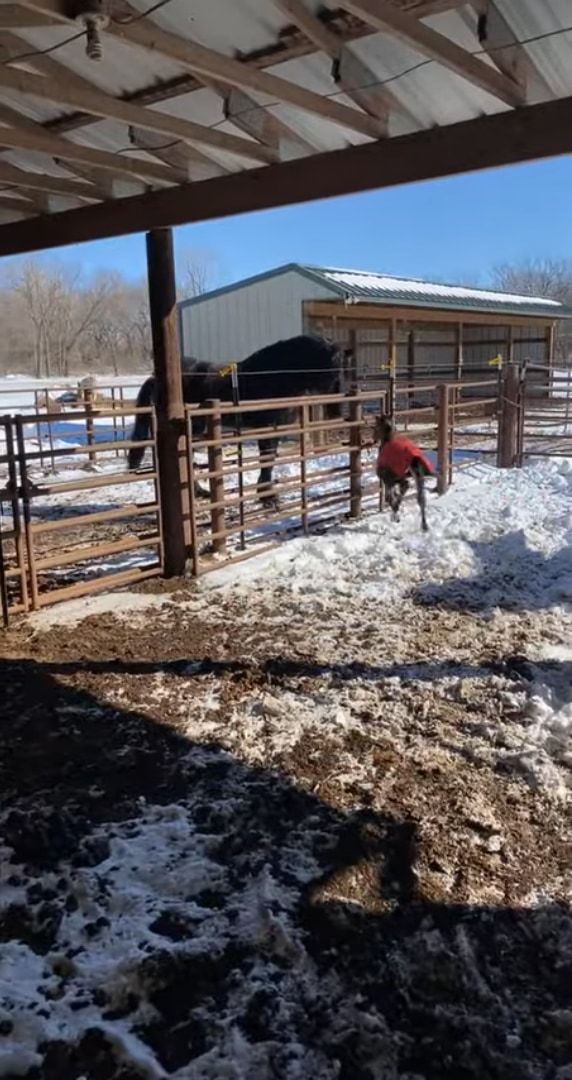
549 348
459 352
171 451
443 438
410 370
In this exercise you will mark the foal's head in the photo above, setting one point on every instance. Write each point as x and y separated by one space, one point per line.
383 430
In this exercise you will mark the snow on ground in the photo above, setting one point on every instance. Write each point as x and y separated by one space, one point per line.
285 822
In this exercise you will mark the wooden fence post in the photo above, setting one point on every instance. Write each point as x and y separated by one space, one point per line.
28 529
14 493
304 416
89 425
442 438
508 425
355 459
216 479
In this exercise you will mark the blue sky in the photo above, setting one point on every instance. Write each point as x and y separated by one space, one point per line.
454 229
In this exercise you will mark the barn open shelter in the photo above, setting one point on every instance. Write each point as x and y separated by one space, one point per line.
119 117
412 327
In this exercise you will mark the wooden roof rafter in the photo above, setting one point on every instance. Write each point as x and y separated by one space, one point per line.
269 114
385 16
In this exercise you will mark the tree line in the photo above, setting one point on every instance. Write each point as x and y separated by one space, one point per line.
58 323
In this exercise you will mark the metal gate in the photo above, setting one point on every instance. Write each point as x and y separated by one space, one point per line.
79 523
545 421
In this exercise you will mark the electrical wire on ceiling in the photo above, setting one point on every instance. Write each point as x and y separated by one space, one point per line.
81 34
370 85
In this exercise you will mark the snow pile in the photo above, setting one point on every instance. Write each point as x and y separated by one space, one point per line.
545 757
496 539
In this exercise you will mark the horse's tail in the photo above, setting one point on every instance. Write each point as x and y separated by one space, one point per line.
142 426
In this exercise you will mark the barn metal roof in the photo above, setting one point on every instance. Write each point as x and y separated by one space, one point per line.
361 286
188 96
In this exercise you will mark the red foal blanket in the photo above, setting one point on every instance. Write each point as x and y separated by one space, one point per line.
398 454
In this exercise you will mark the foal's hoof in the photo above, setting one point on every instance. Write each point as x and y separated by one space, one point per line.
270 502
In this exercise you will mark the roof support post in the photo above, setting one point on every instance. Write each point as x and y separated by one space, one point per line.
171 449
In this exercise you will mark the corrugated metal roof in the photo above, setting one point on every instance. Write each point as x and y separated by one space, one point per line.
260 34
360 286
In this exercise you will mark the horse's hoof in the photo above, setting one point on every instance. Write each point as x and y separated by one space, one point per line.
201 492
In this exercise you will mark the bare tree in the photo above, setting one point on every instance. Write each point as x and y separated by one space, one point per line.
536 277
551 278
60 312
197 274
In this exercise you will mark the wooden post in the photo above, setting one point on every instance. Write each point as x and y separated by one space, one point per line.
89 425
28 530
353 364
507 450
19 547
410 370
550 339
195 568
442 438
392 367
355 459
216 480
459 352
304 416
170 407
3 586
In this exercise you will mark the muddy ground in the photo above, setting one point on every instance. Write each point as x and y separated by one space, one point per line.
379 876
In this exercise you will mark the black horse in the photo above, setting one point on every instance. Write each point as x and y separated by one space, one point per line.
286 369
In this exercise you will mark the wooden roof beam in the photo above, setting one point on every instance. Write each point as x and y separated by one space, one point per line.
189 162
40 141
22 206
505 138
177 154
20 15
290 45
383 15
257 121
500 42
203 61
215 66
53 185
354 78
105 106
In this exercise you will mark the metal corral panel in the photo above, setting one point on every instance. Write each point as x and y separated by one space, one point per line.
229 324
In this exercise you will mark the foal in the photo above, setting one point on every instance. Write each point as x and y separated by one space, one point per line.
397 460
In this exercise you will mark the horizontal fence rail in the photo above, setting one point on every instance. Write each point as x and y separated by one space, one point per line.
75 521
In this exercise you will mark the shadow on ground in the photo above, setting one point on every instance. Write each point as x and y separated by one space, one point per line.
355 974
511 576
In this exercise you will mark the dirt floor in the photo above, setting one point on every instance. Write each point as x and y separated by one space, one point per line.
360 873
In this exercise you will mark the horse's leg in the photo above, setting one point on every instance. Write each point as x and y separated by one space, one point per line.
267 450
200 492
419 474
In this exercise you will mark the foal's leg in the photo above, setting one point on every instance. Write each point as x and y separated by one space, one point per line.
393 496
267 449
419 474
